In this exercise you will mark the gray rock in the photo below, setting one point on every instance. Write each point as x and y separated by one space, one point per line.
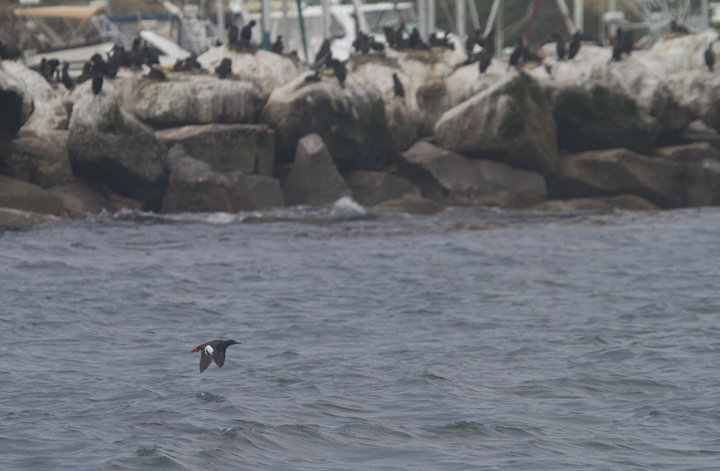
82 199
196 187
620 171
592 116
350 120
246 148
111 146
602 203
41 161
702 183
412 204
17 219
451 178
372 188
509 121
314 179
689 153
25 196
195 99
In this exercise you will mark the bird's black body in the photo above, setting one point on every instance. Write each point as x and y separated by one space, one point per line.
216 352
323 55
232 35
485 58
246 31
97 83
710 57
224 69
517 54
676 28
278 46
155 74
560 46
399 89
574 46
66 79
339 69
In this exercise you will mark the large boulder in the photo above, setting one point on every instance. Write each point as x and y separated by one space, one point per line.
467 81
195 187
42 161
510 121
314 179
372 188
641 77
702 183
350 120
195 99
619 171
423 75
28 100
246 148
82 199
25 196
264 69
450 178
109 145
593 116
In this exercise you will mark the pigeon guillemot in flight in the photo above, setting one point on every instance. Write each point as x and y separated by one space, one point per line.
214 350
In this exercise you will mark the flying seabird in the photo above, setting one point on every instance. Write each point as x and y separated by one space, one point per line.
214 350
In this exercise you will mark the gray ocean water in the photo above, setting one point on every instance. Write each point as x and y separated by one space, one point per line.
467 340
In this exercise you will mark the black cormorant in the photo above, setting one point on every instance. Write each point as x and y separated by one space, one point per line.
399 89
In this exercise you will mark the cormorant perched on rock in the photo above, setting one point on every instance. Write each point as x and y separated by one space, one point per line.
376 45
246 31
389 36
362 42
155 73
559 46
517 54
86 73
623 44
399 89
43 68
676 28
488 42
278 46
99 65
710 57
339 69
150 57
97 83
116 57
470 42
66 79
574 45
324 54
485 58
52 66
224 69
416 41
214 350
136 54
232 35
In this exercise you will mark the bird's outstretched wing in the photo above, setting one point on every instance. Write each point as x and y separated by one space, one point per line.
219 358
205 360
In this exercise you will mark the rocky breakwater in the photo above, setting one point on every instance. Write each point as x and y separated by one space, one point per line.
638 133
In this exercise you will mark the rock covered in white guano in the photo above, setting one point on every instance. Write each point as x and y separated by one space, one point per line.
683 53
265 69
510 121
110 145
372 188
185 99
467 81
43 161
41 109
642 77
450 178
246 148
379 70
620 171
423 75
314 179
350 120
